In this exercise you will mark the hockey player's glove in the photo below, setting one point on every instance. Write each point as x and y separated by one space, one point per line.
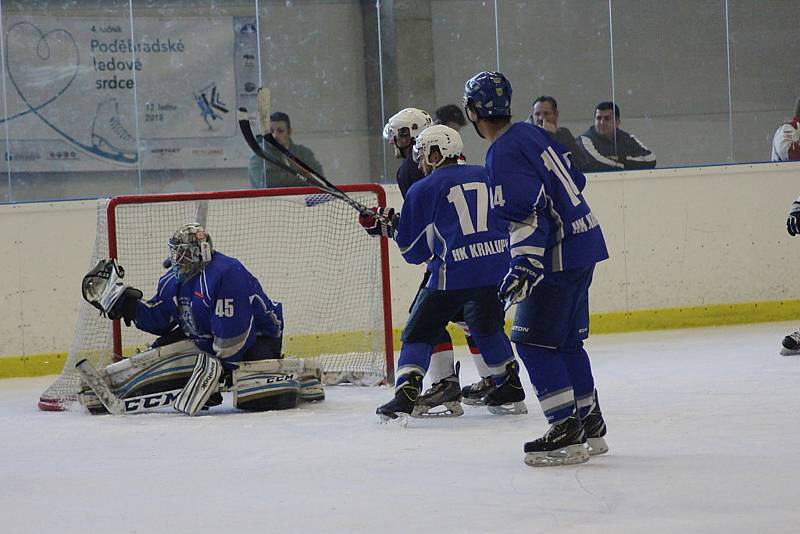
125 307
523 274
793 222
103 288
380 227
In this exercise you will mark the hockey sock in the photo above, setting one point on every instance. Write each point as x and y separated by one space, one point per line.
550 379
475 351
580 373
481 366
414 359
442 362
497 353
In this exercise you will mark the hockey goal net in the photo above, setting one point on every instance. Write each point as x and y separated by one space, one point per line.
306 248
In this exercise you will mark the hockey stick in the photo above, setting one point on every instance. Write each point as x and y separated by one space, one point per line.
122 406
301 169
112 403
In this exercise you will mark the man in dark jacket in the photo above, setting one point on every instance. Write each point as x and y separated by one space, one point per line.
544 114
608 148
265 174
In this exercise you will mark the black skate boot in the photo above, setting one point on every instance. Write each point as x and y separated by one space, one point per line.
508 399
563 444
791 344
401 406
445 395
595 428
475 394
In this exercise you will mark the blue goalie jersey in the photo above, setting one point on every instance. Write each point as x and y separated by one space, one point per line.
539 194
222 309
447 219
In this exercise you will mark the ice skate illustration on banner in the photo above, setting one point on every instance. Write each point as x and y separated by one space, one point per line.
109 135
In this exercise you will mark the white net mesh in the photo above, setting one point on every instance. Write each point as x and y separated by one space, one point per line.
308 251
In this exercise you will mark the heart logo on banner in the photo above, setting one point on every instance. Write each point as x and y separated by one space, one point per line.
42 67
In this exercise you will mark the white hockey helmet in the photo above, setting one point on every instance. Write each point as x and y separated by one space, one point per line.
415 120
439 136
190 249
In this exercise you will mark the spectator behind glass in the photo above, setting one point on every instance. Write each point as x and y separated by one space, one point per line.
450 115
544 114
608 148
786 143
264 174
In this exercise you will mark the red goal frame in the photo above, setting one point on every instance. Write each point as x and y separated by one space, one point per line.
252 193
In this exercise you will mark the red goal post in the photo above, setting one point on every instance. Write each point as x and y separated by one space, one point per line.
306 248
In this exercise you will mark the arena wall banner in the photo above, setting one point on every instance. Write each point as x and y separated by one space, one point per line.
98 94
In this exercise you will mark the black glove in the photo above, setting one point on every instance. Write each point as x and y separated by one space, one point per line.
125 307
380 227
793 222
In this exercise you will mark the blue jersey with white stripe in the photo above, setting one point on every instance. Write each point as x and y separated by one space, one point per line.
222 309
447 220
538 193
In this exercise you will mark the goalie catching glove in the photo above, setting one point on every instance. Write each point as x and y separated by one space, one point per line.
523 275
102 287
385 226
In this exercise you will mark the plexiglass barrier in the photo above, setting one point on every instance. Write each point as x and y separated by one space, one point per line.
140 96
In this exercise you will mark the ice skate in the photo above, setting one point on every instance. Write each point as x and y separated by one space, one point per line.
791 344
595 428
400 407
442 399
475 394
508 399
562 444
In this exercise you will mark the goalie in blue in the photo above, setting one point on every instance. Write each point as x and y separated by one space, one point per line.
213 306
446 221
555 243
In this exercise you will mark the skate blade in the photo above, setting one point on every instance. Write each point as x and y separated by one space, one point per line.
474 402
596 446
399 419
570 455
448 409
789 352
511 408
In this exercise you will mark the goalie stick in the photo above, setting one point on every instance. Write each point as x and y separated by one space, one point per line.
113 404
117 405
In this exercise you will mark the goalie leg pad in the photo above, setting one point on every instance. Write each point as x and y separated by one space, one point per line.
310 379
267 384
203 382
155 370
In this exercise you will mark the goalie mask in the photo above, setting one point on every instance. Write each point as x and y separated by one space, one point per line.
406 123
441 137
190 250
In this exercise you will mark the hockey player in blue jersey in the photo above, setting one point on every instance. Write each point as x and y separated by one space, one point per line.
217 311
555 242
446 221
401 131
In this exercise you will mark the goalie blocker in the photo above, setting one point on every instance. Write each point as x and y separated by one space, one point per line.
178 375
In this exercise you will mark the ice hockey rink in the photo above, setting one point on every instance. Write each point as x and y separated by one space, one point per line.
702 424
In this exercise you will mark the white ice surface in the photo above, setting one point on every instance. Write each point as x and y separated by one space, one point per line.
703 431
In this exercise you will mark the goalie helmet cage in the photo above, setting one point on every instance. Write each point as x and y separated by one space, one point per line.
306 248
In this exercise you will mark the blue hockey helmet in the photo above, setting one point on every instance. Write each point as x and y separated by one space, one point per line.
488 94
